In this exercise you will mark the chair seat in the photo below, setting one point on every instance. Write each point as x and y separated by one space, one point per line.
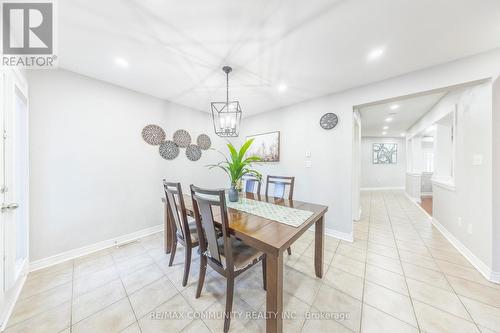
243 255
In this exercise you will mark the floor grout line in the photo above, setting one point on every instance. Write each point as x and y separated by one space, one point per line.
366 263
402 268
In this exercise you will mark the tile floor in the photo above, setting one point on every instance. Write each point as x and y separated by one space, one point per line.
399 275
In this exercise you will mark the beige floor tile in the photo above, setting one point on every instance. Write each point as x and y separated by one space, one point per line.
386 278
97 299
453 257
127 251
346 282
114 318
134 328
467 273
305 264
91 281
47 278
429 276
29 307
250 288
93 263
54 320
301 286
431 319
146 299
393 265
439 298
141 278
238 324
393 303
375 321
171 316
383 250
126 266
214 290
196 326
348 265
332 300
352 252
475 291
483 314
324 325
422 261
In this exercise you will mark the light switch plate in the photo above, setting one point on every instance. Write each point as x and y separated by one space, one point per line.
308 164
477 159
308 154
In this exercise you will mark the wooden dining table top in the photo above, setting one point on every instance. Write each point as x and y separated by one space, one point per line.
262 233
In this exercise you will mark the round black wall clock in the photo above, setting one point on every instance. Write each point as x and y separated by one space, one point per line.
329 121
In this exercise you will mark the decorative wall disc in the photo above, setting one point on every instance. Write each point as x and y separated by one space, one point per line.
193 152
169 150
153 134
329 121
203 141
182 138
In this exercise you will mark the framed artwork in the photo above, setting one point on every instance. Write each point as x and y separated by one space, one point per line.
266 146
385 153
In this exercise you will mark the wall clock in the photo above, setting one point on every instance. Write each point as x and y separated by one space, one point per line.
329 121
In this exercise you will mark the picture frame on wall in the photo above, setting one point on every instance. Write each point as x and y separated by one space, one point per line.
266 146
385 153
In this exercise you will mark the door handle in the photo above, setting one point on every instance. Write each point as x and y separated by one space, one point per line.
11 206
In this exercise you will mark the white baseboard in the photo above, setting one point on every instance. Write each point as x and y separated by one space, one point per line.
475 261
426 194
357 217
471 257
75 253
348 237
382 188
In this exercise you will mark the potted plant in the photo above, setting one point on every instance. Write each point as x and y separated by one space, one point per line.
237 166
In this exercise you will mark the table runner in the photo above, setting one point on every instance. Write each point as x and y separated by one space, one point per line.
282 214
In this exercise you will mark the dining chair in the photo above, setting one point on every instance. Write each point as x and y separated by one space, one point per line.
280 184
184 228
227 255
252 184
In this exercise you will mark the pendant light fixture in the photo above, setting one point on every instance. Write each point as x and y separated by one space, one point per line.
226 115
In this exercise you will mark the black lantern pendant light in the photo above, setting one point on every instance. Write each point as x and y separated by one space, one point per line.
226 115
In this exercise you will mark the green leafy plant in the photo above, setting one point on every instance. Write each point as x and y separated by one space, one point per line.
238 166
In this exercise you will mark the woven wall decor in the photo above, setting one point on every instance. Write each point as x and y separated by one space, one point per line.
169 150
182 138
193 152
203 141
153 134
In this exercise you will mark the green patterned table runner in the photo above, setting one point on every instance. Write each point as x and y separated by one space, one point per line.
282 214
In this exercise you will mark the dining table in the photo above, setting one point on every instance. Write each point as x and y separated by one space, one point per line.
269 236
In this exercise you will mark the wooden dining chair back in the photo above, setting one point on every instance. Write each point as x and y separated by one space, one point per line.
184 227
227 255
252 184
280 183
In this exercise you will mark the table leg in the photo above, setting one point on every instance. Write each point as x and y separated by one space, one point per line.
319 231
274 294
167 230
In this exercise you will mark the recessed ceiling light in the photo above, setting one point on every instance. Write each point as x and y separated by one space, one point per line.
384 133
403 134
394 106
385 127
282 87
121 62
388 119
375 54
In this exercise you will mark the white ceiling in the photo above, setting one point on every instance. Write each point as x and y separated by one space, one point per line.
175 49
410 110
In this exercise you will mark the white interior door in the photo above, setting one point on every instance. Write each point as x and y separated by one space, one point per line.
14 215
